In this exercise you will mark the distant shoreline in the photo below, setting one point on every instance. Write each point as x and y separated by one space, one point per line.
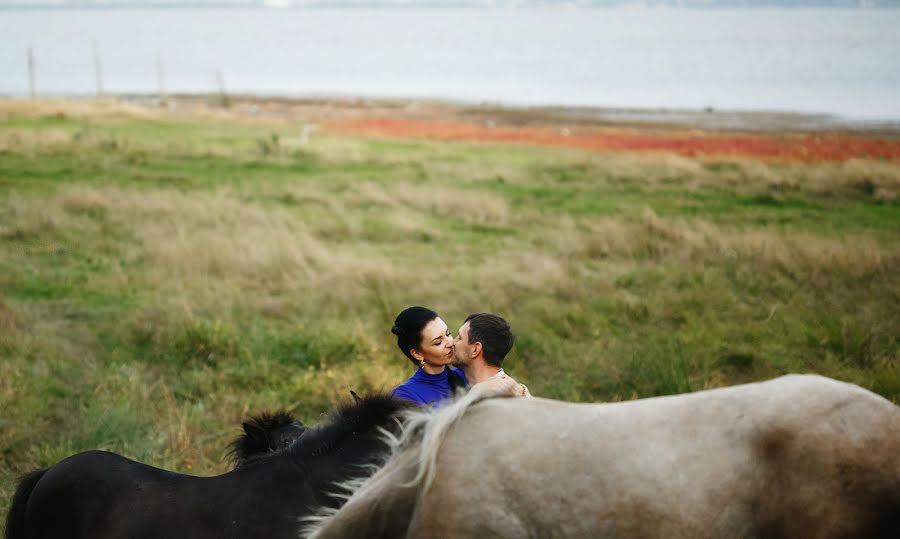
704 67
337 107
774 137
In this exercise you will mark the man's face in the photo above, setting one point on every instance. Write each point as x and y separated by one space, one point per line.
463 349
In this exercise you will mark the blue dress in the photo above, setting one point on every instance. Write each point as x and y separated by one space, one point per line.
427 388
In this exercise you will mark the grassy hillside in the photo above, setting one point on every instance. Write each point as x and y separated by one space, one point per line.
161 275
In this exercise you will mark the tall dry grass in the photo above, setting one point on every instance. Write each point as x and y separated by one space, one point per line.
162 277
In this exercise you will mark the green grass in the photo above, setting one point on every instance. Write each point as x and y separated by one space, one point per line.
163 276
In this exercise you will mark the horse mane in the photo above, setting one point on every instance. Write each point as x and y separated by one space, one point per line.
368 413
422 431
362 415
254 442
428 427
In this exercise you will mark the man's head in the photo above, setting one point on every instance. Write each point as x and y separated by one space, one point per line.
483 336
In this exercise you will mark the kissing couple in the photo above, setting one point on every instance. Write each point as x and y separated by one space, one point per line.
445 365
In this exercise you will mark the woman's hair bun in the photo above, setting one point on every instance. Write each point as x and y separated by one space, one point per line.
396 330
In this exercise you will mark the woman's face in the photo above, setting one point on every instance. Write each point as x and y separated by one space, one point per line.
436 347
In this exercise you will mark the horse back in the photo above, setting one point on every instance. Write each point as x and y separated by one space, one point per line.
75 497
801 456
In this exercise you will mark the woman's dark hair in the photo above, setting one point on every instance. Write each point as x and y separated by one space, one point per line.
408 328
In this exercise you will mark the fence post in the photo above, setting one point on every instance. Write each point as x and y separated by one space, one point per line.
98 69
223 97
160 77
30 55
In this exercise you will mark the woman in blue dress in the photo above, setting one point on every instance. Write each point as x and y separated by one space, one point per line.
426 341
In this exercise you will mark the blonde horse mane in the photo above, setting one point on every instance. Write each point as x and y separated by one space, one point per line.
422 432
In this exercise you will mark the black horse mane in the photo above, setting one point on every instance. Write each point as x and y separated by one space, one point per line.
350 419
254 443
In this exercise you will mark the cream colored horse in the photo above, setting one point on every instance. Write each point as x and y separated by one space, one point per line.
799 456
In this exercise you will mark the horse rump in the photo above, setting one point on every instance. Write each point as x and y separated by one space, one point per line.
15 519
884 521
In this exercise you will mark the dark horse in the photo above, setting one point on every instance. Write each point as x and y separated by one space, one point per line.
263 434
99 495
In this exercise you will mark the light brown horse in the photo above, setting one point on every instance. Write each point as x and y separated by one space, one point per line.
799 456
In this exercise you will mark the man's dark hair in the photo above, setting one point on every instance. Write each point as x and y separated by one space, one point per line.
494 334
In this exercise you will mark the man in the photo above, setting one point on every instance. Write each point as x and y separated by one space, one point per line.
480 346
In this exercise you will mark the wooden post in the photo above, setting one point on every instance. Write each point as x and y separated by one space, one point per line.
223 97
160 78
30 55
98 69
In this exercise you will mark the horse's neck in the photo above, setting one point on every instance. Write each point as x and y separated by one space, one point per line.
342 450
347 460
380 509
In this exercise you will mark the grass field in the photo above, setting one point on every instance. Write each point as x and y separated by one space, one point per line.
162 275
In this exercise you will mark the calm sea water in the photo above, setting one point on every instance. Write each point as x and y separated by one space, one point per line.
839 61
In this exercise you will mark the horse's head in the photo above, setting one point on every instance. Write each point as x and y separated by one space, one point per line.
264 434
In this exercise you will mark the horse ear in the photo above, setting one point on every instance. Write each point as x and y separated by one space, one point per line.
356 398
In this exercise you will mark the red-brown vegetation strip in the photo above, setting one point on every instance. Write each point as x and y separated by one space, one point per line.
824 146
